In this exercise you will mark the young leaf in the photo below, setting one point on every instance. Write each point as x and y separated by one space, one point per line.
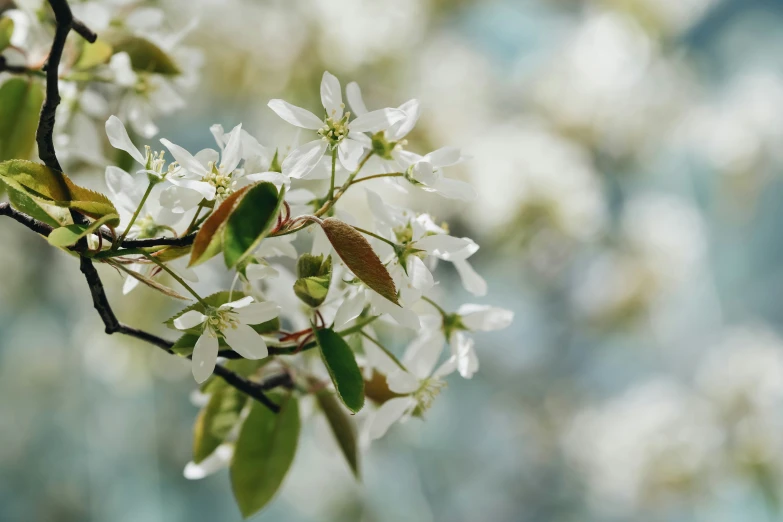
312 290
341 364
315 276
359 256
215 300
93 55
342 427
24 203
264 453
6 31
40 182
208 241
215 421
68 235
20 104
250 222
145 56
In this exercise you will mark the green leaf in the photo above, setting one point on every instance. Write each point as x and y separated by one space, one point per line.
359 256
93 55
209 240
145 56
250 222
20 105
264 453
24 203
343 428
214 301
68 235
215 421
341 363
40 182
312 266
6 31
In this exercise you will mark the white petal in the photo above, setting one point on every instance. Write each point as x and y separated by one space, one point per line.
442 245
321 244
257 272
302 160
232 154
207 156
462 347
184 158
390 412
376 121
453 189
219 134
485 318
189 320
444 157
349 310
219 459
446 368
354 95
129 285
402 128
424 172
257 313
205 190
419 276
471 280
424 351
245 341
275 178
239 303
331 97
119 139
122 188
204 357
296 115
404 316
350 153
179 200
403 382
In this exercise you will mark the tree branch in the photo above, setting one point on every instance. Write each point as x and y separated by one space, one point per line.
46 151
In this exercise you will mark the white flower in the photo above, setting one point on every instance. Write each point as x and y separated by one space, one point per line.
335 130
426 173
418 383
389 146
230 322
418 237
207 175
473 318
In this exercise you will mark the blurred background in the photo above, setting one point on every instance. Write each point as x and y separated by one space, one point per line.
627 155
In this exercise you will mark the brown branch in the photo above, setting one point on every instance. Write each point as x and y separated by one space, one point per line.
45 138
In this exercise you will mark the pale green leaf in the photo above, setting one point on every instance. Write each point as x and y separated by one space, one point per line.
20 105
342 427
215 421
264 453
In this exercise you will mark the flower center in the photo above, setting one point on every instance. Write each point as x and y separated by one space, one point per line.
223 183
221 320
425 396
155 164
147 226
334 131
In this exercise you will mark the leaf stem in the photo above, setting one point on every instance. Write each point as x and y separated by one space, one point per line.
385 350
440 310
334 168
376 176
136 213
175 276
377 236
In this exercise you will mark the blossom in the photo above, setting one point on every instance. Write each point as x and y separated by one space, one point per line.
418 237
426 173
230 322
418 384
388 145
335 131
472 318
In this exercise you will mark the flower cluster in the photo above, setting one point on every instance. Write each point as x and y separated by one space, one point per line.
176 212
